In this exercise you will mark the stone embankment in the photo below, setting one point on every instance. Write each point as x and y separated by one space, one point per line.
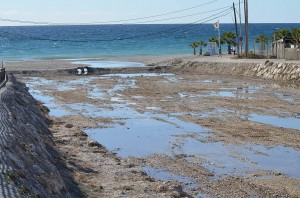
278 71
30 165
288 72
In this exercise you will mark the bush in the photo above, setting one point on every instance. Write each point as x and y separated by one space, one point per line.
253 56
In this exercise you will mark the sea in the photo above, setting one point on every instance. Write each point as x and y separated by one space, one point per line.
19 43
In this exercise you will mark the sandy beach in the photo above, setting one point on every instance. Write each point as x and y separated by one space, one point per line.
147 60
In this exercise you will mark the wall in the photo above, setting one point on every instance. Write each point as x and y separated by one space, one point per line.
30 166
292 54
289 72
278 71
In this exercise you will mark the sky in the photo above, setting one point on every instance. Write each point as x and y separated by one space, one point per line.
114 11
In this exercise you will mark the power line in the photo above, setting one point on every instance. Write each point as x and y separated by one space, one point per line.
158 15
142 22
179 17
205 20
106 22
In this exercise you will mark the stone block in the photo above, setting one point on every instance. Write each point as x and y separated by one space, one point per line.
259 73
285 77
269 64
272 70
283 67
279 65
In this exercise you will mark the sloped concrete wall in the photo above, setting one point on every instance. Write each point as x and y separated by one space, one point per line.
278 71
29 164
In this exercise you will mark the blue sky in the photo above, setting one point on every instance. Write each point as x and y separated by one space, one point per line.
86 11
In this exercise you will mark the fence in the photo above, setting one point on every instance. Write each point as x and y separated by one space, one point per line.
292 54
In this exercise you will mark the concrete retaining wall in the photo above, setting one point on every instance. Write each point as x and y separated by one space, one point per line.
29 164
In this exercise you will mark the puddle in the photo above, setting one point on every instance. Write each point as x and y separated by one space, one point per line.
109 64
114 111
240 92
96 93
223 94
166 176
37 94
285 122
284 97
172 136
138 75
154 108
138 97
217 155
212 81
55 109
81 81
140 131
172 79
37 81
282 159
184 95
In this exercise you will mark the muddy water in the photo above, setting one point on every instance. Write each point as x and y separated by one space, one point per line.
147 131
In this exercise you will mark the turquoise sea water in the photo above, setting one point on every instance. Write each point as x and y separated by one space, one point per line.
98 41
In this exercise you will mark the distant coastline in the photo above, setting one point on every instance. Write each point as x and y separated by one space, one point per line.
105 41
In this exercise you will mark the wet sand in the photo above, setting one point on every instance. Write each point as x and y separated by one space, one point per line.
211 134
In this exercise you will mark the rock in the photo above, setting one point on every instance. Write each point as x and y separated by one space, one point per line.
294 76
179 191
81 134
272 70
94 143
283 67
275 71
279 65
69 126
269 64
259 73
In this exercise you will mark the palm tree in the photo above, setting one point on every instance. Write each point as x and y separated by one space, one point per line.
201 44
230 39
262 39
280 34
216 40
296 36
194 45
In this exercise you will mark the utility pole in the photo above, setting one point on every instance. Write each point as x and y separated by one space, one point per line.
236 31
246 28
241 33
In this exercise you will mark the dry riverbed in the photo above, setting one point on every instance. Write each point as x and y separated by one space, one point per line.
210 135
